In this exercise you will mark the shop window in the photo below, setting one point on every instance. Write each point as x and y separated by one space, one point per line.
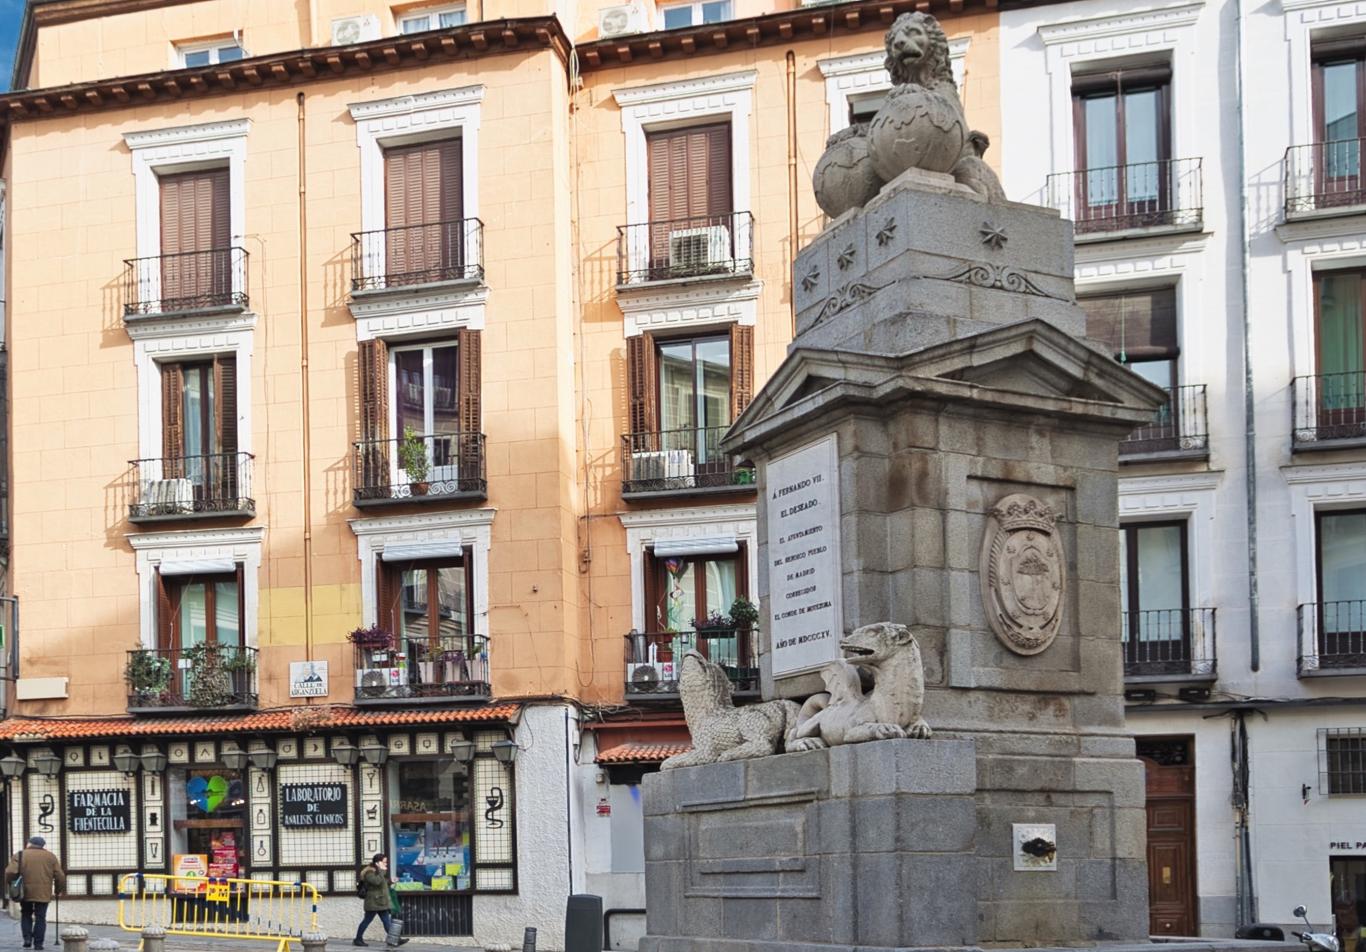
431 825
1347 885
1340 561
679 15
208 811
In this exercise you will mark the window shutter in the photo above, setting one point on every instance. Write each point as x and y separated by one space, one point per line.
386 596
372 390
172 421
741 369
225 408
424 197
195 218
1141 325
469 345
718 174
643 391
165 614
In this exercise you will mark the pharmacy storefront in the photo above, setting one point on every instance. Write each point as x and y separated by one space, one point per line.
291 796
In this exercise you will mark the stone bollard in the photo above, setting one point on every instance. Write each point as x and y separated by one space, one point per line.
74 939
154 938
104 945
312 942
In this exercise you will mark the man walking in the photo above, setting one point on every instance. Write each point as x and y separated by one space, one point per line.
43 879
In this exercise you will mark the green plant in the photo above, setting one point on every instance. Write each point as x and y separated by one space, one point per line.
148 674
376 637
412 455
239 661
743 612
210 679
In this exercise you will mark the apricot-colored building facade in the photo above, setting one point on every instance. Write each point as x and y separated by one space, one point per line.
398 339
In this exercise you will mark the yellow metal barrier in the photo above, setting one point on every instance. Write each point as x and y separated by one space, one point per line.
260 909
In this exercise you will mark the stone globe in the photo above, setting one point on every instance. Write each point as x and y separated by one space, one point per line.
916 128
844 177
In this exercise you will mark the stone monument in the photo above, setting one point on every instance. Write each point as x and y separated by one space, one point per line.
937 462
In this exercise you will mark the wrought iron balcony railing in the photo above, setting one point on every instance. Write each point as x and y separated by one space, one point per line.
1169 642
713 245
680 461
1179 426
654 660
389 471
203 676
1329 407
1166 194
213 280
181 487
1323 176
416 669
1332 636
412 255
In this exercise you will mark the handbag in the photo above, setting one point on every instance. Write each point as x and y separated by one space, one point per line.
16 885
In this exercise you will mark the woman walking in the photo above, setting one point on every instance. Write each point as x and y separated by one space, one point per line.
375 878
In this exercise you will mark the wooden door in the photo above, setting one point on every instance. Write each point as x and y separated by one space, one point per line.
1171 835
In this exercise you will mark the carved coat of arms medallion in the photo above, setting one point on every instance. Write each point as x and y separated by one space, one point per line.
1024 574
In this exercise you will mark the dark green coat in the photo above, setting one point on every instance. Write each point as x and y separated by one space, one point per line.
377 889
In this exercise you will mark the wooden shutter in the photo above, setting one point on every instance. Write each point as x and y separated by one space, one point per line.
1141 325
223 469
424 205
469 385
195 218
741 369
165 614
690 172
387 590
372 390
172 421
643 391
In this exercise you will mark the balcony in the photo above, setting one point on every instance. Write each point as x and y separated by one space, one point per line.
192 282
679 463
717 246
1130 200
423 671
653 661
210 486
1179 430
444 252
1169 645
1323 179
420 468
1332 638
206 676
1330 411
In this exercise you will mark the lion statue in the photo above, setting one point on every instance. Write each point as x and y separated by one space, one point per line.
720 730
920 125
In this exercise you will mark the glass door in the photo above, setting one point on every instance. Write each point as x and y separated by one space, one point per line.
694 403
1123 152
427 405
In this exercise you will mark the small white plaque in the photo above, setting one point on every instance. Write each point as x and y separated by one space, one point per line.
806 620
1036 846
308 679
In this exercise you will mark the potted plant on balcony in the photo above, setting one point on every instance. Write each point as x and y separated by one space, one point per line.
412 459
210 681
743 613
241 667
149 677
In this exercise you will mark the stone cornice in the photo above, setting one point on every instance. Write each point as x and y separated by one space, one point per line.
1324 473
460 519
179 135
464 96
1184 482
1091 28
688 516
250 535
706 86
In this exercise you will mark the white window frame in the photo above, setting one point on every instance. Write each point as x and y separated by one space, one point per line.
696 7
186 149
849 77
1304 21
449 472
645 529
468 528
432 15
728 97
240 546
1341 247
1315 489
212 47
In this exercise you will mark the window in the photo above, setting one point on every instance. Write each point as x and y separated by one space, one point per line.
208 812
863 107
207 54
1339 90
688 601
431 823
1342 760
196 232
1139 328
694 384
428 605
199 636
1123 142
696 14
423 196
433 18
426 401
199 429
1154 592
690 172
1340 352
1340 561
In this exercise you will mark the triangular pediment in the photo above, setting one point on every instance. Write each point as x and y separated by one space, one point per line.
1031 365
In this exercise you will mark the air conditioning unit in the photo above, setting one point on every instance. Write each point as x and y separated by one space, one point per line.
624 20
168 495
662 464
705 247
649 677
376 682
357 29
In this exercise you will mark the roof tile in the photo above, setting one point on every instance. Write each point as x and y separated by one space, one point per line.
634 752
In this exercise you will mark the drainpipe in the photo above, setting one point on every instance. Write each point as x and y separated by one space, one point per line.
305 440
792 175
1246 912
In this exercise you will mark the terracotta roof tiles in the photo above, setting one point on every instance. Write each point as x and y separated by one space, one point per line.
634 752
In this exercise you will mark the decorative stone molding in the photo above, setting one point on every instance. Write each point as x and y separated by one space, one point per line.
697 305
402 315
470 528
155 343
1146 26
1024 574
238 545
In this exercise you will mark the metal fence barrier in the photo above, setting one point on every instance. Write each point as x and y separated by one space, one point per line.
261 909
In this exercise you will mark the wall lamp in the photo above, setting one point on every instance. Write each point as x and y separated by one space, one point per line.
345 754
233 756
154 761
263 756
461 750
126 761
374 752
504 751
12 767
47 763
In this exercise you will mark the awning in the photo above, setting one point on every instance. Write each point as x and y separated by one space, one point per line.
198 567
676 548
413 551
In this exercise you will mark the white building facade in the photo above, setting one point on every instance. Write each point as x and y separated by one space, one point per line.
1209 153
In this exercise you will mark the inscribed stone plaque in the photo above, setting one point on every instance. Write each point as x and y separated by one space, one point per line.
805 619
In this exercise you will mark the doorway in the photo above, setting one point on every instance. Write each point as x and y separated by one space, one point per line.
1170 782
